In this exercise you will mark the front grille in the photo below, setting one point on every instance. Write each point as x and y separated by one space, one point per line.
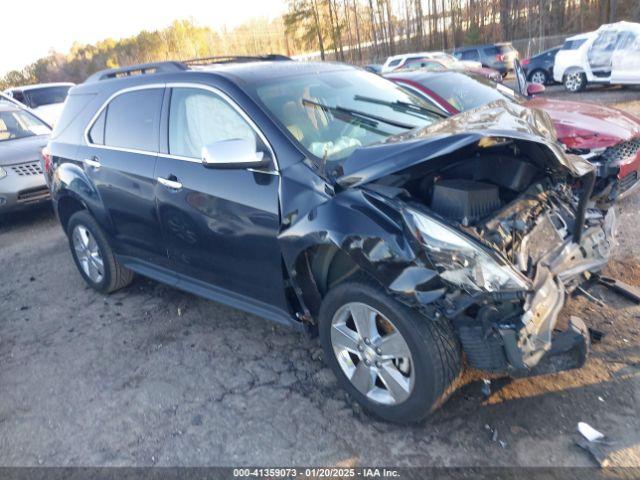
628 181
27 169
33 194
622 151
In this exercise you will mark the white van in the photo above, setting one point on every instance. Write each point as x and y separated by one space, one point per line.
610 55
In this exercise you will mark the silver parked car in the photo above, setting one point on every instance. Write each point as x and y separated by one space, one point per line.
22 138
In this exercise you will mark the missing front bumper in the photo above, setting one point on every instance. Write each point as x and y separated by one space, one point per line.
531 343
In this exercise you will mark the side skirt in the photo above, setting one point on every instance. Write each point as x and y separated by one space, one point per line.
210 292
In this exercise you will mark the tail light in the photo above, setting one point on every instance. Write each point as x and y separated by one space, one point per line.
500 57
525 62
46 158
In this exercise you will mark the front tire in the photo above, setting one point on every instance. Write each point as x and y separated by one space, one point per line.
539 77
398 364
93 256
575 81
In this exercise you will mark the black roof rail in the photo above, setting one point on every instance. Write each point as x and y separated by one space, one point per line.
142 69
272 57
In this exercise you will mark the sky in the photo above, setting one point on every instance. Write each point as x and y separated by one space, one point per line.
56 24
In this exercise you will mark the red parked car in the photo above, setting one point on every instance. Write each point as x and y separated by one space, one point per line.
607 137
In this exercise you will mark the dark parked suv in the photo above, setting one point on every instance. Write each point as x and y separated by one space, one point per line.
539 68
499 56
327 198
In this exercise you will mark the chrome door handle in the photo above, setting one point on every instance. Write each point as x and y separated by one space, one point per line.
92 163
172 184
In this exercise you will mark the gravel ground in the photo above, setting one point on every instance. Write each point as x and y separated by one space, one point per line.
154 376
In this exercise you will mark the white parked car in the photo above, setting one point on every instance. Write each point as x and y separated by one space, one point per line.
405 60
44 99
609 55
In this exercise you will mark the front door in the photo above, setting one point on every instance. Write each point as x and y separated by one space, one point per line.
220 225
120 159
601 53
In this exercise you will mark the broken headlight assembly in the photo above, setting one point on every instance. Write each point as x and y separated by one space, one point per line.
461 261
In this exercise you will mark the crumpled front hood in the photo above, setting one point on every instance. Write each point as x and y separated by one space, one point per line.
587 125
499 119
21 150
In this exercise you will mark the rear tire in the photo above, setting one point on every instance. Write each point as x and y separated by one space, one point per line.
428 366
575 81
93 256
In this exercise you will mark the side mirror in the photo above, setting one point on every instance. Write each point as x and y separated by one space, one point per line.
234 153
535 89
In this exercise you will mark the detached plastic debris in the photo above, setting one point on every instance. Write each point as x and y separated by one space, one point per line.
594 442
596 335
589 432
486 387
494 435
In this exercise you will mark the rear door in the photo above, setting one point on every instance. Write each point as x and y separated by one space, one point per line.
220 225
626 59
120 159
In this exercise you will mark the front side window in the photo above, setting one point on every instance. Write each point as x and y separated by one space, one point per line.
16 124
332 113
573 44
198 118
130 121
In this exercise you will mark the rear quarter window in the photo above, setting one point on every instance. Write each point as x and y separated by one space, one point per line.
73 106
490 51
470 55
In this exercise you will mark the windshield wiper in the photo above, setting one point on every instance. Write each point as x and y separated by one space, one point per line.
402 106
364 117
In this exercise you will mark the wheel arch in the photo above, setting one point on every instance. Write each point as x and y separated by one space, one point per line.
538 69
572 69
72 191
321 250
66 206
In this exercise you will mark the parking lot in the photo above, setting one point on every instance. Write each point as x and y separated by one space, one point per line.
154 376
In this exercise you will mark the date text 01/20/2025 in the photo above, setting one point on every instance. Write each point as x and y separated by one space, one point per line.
320 472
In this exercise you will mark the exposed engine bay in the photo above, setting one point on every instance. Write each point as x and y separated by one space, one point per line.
542 222
507 202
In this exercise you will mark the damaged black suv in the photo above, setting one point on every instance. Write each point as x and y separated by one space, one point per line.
325 197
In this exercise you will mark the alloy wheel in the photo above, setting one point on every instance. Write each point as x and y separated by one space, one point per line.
573 82
372 353
538 77
88 253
